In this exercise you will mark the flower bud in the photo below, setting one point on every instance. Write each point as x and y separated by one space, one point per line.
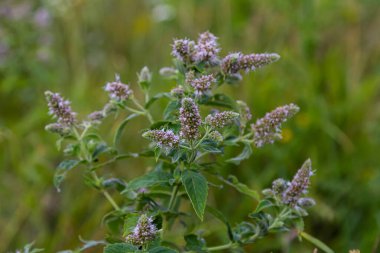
216 136
118 91
58 129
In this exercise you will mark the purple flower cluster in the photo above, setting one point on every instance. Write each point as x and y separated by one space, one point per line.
184 50
144 232
221 119
205 50
190 119
234 62
164 139
60 109
268 129
298 186
216 136
202 85
118 91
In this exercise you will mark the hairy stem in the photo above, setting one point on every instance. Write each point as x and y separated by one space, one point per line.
173 197
220 247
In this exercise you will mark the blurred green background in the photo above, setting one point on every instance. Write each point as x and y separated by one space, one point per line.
330 66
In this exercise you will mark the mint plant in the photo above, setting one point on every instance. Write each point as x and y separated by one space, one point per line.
186 150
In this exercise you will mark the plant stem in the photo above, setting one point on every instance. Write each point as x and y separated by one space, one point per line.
173 197
105 192
145 111
220 247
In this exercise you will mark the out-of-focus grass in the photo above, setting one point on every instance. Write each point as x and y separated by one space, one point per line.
330 66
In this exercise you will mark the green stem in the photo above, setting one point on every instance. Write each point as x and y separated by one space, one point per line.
105 192
145 111
220 247
173 197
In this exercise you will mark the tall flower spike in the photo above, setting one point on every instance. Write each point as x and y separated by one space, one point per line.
234 62
299 184
268 129
207 48
190 119
144 232
60 109
184 50
117 90
164 139
221 119
202 85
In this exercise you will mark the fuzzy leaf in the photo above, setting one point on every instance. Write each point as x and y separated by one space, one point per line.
121 127
316 242
170 108
120 248
151 179
221 100
245 154
61 171
156 97
197 190
193 243
263 204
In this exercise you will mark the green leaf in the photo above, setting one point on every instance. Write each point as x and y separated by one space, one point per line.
193 243
234 182
61 171
263 204
156 97
245 154
121 127
153 178
119 248
130 222
197 190
170 108
221 100
316 242
220 216
161 249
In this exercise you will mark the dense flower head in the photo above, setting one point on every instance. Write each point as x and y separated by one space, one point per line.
184 50
202 85
144 232
221 119
177 92
279 185
234 62
118 91
190 119
58 128
216 136
163 138
60 109
207 48
299 185
268 129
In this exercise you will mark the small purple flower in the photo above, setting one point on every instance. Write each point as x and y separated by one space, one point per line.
164 139
144 232
221 119
60 109
268 129
207 48
190 119
118 91
299 185
184 50
202 85
58 128
96 117
235 62
177 92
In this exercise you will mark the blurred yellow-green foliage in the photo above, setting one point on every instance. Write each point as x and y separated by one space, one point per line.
330 66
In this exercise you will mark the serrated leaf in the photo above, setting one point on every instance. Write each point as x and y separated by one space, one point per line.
234 182
150 179
197 189
316 242
130 222
62 170
120 129
245 154
161 249
120 248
